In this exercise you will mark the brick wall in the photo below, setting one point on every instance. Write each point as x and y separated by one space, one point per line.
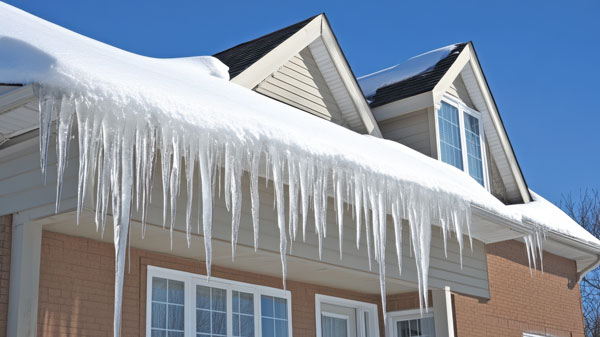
520 303
77 277
76 288
5 242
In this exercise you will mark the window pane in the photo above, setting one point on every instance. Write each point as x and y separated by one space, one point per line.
202 297
423 327
159 315
203 321
246 326
175 292
449 133
473 140
333 326
281 329
167 307
280 307
266 305
268 327
211 316
159 289
219 299
175 317
274 316
219 323
243 314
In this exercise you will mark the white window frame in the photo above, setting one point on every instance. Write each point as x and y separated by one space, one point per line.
462 109
361 308
190 281
528 334
394 317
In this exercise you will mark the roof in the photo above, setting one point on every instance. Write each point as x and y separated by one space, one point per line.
242 56
417 84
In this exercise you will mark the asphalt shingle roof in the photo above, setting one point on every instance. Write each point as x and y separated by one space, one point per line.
418 84
242 56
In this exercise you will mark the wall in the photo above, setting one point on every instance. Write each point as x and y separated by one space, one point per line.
76 288
520 303
411 129
5 244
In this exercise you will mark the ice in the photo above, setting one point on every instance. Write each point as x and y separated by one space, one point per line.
134 111
400 72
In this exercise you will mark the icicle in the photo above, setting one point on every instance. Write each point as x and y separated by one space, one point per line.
166 151
278 185
397 233
121 217
190 160
254 195
304 194
204 157
174 183
235 172
339 202
48 108
358 206
293 197
63 135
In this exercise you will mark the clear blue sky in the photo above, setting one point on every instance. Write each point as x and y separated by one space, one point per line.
540 58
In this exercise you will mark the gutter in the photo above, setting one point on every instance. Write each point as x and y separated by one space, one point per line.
521 227
587 269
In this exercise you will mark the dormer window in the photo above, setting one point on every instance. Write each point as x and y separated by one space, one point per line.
461 138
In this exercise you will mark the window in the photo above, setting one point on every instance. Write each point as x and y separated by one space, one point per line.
187 305
410 323
461 138
338 317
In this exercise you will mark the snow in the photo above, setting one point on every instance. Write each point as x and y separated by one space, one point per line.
132 109
412 67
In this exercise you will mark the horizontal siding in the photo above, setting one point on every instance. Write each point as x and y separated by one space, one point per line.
21 183
410 129
299 83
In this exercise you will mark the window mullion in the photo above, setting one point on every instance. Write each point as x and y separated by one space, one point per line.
190 308
229 310
463 138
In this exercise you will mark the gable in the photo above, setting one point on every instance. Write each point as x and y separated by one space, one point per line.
503 165
302 65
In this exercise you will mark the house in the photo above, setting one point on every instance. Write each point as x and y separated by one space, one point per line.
431 229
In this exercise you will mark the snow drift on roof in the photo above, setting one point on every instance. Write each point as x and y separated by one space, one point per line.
412 67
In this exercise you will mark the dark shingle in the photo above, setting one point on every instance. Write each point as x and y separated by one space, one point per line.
242 56
415 85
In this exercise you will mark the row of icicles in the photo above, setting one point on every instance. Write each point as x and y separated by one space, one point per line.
118 150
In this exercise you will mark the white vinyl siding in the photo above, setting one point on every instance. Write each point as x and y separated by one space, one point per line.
411 129
187 305
300 83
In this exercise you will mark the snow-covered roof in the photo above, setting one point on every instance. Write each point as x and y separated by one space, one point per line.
410 68
186 108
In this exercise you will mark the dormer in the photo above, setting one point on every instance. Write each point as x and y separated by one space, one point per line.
439 103
302 65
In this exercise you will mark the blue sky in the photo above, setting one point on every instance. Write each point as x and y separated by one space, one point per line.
540 58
